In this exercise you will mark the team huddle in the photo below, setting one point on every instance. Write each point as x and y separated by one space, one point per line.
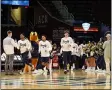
92 54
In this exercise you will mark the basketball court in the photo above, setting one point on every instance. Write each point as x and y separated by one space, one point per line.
57 80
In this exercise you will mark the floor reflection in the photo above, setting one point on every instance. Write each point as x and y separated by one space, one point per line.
58 78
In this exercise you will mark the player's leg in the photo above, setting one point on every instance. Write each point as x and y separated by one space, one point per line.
24 60
72 62
47 65
11 60
77 62
6 64
65 61
83 61
107 61
68 60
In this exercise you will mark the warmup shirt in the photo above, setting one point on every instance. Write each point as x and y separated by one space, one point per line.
24 45
66 44
75 49
81 49
78 51
45 48
8 45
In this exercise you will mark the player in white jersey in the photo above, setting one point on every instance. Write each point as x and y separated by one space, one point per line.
66 45
74 56
78 54
8 46
45 48
83 54
107 52
25 47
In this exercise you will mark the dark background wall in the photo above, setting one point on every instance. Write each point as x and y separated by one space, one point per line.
36 18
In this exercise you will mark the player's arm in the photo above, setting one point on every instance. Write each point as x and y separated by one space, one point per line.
18 44
61 42
14 44
39 47
77 48
29 47
49 47
71 42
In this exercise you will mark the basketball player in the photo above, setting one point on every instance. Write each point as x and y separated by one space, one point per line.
45 48
78 55
8 46
107 54
83 54
74 56
66 45
25 47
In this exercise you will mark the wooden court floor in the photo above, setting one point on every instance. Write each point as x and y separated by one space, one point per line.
77 79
